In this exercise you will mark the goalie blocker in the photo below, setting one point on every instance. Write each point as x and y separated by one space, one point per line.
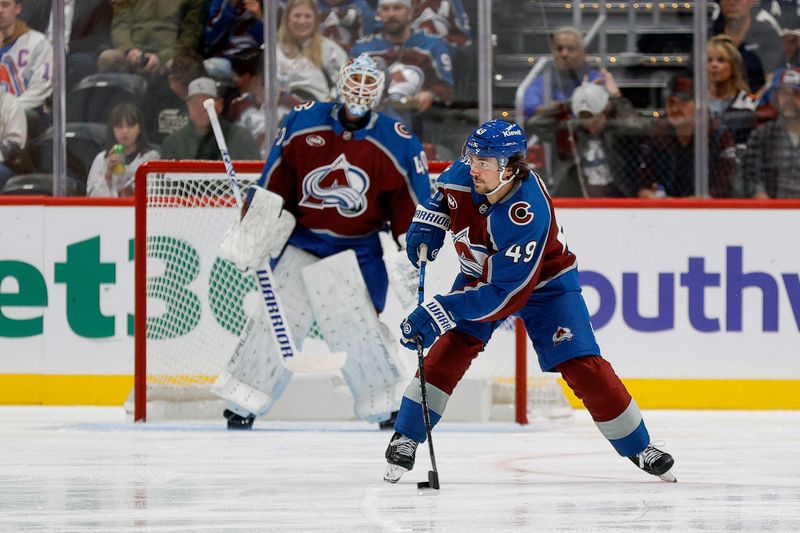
332 292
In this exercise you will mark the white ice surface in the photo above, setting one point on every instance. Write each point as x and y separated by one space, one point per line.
88 469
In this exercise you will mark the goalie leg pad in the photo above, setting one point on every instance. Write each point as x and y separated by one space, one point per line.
260 234
347 319
255 376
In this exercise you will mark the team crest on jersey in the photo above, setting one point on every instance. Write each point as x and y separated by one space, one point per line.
471 256
402 131
562 334
451 202
340 185
483 208
315 140
520 213
305 105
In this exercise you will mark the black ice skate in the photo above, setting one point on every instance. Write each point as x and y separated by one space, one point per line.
399 457
655 462
236 421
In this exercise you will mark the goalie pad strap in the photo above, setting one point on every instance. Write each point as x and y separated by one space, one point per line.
423 215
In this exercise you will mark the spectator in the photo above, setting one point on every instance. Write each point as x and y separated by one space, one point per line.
87 32
166 96
126 128
343 21
729 98
443 18
772 159
26 60
147 34
787 15
598 161
248 110
308 63
569 59
667 164
232 27
13 135
420 68
757 36
196 140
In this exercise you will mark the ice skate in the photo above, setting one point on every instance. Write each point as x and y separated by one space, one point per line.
399 457
655 462
238 422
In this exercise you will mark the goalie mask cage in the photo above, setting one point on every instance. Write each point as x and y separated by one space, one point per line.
191 306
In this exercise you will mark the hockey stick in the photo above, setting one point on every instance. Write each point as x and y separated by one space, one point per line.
433 475
277 319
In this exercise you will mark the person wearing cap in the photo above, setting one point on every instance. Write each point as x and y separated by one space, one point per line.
596 149
667 163
771 166
398 43
196 140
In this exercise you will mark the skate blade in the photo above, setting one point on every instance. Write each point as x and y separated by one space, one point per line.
393 473
669 477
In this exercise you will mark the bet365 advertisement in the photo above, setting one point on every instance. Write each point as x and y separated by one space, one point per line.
674 294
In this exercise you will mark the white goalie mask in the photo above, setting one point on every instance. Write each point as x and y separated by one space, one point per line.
360 84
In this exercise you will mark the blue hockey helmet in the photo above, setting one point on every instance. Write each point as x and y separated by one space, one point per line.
497 138
360 84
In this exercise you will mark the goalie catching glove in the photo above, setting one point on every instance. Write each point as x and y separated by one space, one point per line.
261 233
427 322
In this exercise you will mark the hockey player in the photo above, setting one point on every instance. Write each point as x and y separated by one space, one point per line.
344 171
514 261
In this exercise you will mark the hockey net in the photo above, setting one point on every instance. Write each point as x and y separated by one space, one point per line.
191 307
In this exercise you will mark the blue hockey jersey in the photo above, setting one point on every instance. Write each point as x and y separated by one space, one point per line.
506 250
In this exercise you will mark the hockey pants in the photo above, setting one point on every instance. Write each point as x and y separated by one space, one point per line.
590 377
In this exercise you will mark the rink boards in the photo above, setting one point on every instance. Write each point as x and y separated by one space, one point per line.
696 307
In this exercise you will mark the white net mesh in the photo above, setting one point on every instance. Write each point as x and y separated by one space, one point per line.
197 304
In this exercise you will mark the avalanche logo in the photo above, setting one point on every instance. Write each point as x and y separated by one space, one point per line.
451 202
338 185
520 213
471 256
562 334
483 208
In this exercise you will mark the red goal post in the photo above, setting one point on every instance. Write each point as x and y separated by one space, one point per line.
182 210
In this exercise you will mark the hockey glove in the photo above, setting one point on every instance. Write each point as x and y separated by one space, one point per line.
427 227
427 322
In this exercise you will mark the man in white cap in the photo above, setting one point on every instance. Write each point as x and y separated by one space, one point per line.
600 159
196 140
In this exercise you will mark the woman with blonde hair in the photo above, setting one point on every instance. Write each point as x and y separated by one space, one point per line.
729 97
308 62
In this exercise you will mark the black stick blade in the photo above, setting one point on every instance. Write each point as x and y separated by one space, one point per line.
432 483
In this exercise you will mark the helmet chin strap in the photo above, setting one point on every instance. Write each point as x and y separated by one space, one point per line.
503 181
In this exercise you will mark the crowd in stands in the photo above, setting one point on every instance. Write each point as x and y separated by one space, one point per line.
166 56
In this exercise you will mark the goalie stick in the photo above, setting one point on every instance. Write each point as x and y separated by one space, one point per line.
292 359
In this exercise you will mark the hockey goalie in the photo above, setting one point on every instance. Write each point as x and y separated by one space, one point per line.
336 175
